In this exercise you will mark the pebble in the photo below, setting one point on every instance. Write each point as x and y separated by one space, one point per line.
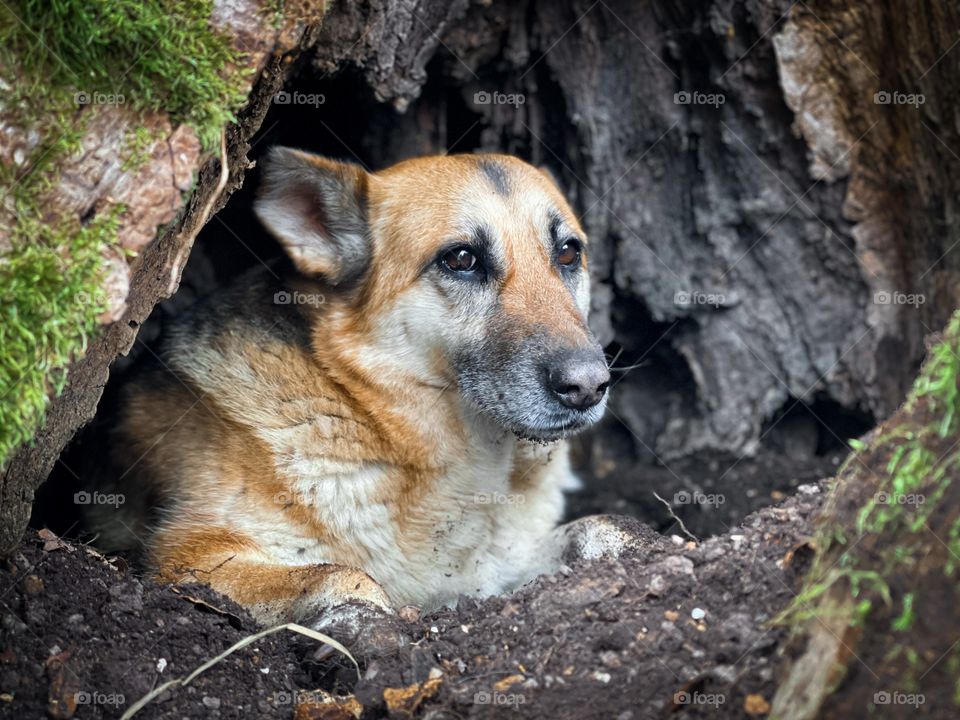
601 676
211 702
610 659
698 614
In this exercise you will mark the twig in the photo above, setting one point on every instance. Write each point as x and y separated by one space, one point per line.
177 682
674 516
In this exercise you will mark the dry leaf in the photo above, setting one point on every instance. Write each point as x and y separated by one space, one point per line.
508 682
329 707
756 705
405 701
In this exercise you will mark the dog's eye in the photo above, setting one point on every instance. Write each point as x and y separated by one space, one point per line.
569 255
459 260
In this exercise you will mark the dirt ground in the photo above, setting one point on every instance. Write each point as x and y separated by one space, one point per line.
672 629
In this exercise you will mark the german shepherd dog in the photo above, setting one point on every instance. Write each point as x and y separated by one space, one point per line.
387 426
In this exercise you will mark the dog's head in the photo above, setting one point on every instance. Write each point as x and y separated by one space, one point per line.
466 270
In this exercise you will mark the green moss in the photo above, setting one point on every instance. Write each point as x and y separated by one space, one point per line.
56 55
891 536
151 54
50 301
137 148
907 616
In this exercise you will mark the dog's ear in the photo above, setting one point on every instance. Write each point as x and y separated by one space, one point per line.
317 208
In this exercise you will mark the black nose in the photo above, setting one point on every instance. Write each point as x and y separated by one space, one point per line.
578 379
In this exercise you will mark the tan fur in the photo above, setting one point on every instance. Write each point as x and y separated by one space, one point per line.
292 476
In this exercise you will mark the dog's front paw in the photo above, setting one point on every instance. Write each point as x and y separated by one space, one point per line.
594 537
366 630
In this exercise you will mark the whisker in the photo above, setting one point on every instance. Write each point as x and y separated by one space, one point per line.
615 357
629 367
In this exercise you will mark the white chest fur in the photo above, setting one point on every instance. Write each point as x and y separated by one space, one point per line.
470 531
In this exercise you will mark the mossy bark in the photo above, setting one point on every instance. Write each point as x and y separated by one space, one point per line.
877 623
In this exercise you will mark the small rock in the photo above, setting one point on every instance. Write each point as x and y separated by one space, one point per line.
610 659
671 615
211 702
601 676
698 614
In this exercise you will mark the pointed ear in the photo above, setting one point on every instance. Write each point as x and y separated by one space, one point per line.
317 208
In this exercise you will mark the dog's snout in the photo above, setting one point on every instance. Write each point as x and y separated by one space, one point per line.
578 379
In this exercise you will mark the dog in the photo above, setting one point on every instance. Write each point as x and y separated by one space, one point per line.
387 424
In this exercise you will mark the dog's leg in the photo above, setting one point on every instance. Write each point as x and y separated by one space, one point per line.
340 601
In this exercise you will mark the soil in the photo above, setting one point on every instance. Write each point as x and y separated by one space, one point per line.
674 628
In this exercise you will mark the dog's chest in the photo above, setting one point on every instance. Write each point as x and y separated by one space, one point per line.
462 531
